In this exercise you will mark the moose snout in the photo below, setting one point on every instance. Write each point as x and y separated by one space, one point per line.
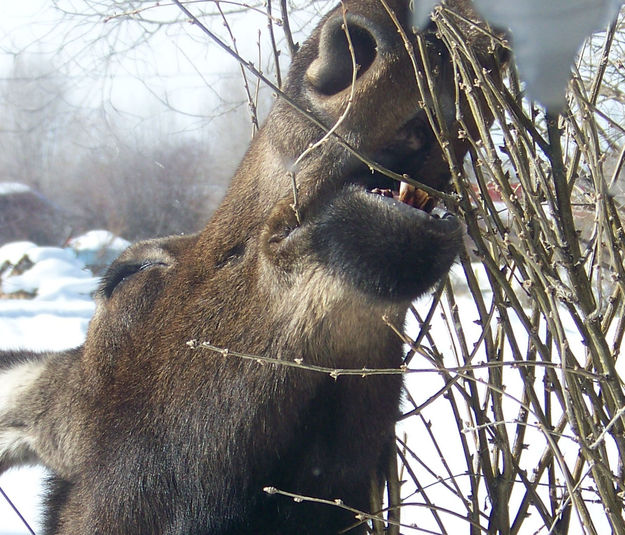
348 46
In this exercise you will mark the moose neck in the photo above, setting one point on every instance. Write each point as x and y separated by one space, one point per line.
266 176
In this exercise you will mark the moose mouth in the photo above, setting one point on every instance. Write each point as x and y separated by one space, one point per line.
415 203
406 153
385 237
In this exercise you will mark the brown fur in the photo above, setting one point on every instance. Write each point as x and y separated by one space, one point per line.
148 435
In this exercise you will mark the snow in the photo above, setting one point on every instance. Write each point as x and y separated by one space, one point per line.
13 252
51 279
12 188
60 274
23 487
50 326
98 247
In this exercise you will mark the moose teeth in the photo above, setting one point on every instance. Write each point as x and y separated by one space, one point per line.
406 192
416 197
410 195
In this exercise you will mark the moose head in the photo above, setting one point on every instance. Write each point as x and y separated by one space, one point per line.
308 260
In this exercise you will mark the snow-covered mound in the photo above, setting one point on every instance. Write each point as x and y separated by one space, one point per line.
11 188
52 273
98 248
48 291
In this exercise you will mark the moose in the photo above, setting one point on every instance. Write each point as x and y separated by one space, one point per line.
307 260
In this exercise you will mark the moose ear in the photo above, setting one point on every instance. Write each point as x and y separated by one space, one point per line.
332 70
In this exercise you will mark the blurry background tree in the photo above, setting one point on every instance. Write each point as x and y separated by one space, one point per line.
124 119
97 171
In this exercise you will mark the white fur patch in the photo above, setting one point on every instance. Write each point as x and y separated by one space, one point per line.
16 431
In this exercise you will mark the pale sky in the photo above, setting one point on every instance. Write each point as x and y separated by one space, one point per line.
109 60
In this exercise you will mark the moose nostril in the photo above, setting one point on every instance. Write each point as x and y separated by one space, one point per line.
332 70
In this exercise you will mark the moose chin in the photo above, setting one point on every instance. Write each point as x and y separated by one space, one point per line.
145 433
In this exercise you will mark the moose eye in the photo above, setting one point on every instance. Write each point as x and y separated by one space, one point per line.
117 274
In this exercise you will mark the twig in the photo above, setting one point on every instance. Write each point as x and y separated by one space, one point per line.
287 28
250 100
274 46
